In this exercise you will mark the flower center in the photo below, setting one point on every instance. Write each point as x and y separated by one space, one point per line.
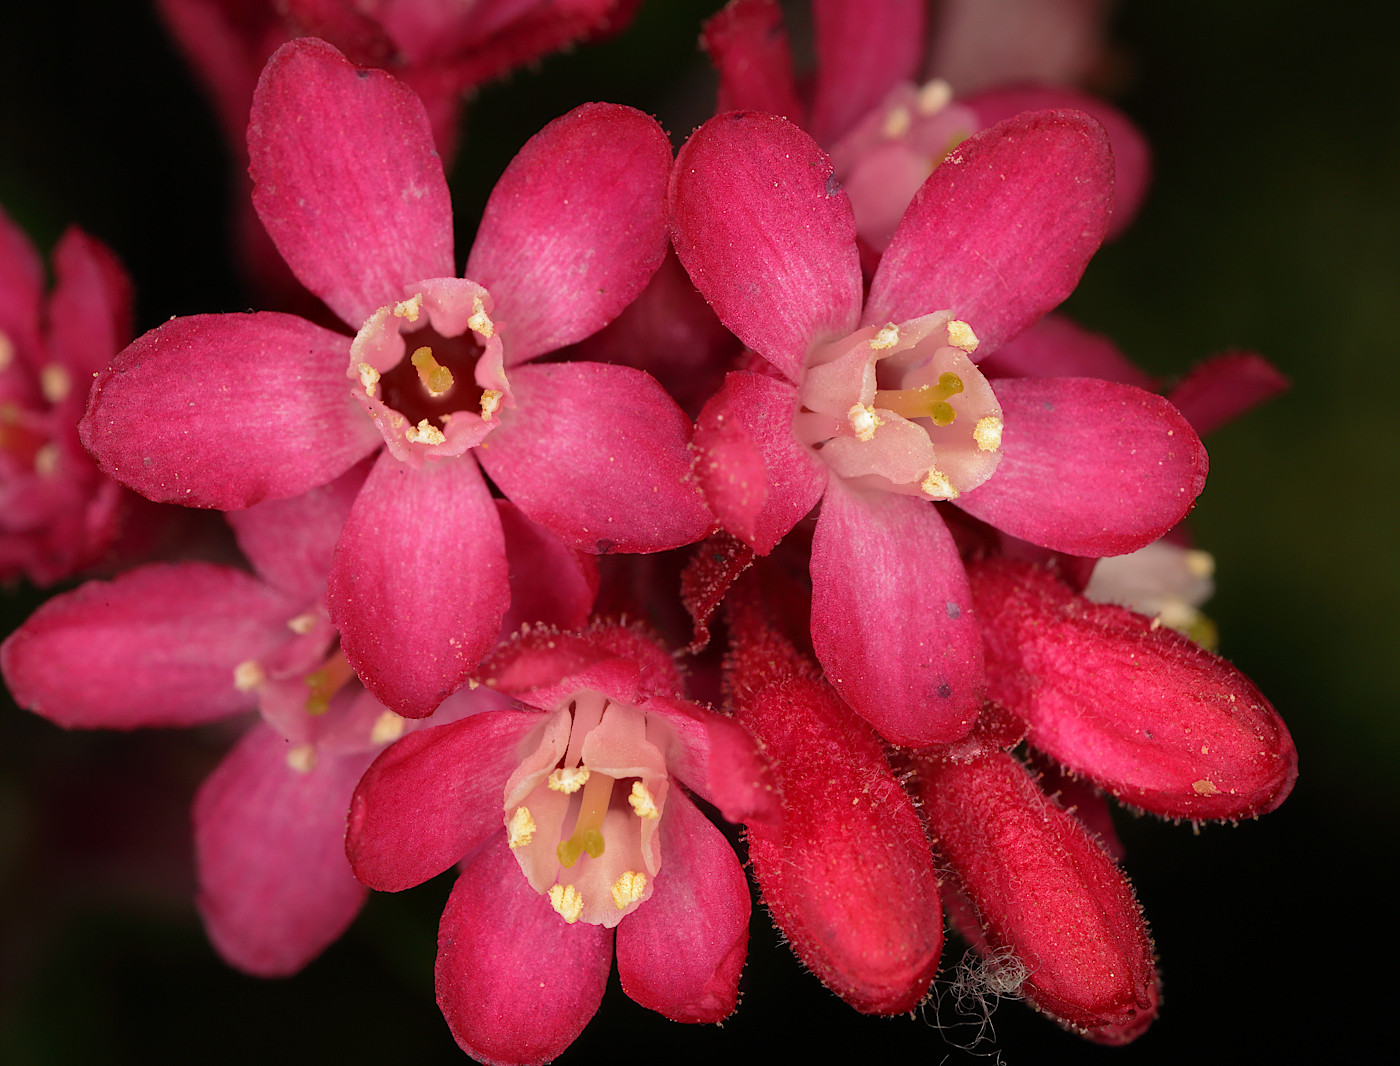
581 811
902 408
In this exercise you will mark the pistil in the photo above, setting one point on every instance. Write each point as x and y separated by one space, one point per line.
436 378
588 830
326 682
927 401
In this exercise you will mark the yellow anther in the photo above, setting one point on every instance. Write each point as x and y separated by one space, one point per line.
436 378
410 308
864 421
569 780
424 433
588 830
302 624
521 828
387 728
248 675
301 757
480 322
960 335
46 460
987 433
369 377
936 483
55 383
628 889
642 802
888 337
490 402
1199 563
566 901
934 97
897 123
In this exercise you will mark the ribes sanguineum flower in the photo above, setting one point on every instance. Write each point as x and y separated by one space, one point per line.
227 410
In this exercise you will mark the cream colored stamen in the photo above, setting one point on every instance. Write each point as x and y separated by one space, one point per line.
46 460
424 433
521 829
302 624
388 727
642 801
1199 563
7 350
55 383
410 308
934 97
888 337
566 901
490 403
897 123
248 675
369 378
569 781
987 434
628 889
864 421
301 758
936 483
480 322
960 335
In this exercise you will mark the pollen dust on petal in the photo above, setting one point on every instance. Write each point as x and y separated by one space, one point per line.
1205 787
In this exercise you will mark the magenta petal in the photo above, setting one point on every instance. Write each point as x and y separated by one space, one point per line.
748 46
1225 387
515 983
418 584
90 310
574 229
432 797
681 952
1132 158
599 455
758 479
550 583
227 410
157 646
767 235
1002 230
863 51
21 284
274 887
892 616
346 179
1089 467
1057 347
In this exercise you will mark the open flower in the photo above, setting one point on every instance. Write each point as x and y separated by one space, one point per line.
876 408
570 822
227 410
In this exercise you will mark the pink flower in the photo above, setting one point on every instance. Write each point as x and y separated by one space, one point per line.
226 410
876 408
572 828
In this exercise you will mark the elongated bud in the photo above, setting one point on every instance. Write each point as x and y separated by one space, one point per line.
1049 900
1149 716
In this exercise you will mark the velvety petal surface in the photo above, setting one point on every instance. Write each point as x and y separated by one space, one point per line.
1057 347
549 581
227 410
863 51
433 797
1224 387
274 887
515 983
748 46
758 479
1089 467
598 455
575 228
156 646
418 584
346 179
767 235
90 310
892 616
681 952
1001 232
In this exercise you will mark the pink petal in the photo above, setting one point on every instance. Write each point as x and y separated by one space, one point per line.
977 43
418 584
1089 467
515 983
863 51
544 669
598 455
90 310
575 227
681 952
892 616
549 581
748 46
1056 347
157 646
433 797
1223 388
227 410
1002 230
346 179
291 542
21 284
767 235
758 479
274 887
1132 158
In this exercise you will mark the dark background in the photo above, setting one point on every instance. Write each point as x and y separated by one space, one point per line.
1273 224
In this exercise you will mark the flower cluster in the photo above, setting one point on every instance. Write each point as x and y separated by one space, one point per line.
800 382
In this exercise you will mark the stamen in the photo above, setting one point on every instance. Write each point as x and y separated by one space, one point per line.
960 335
934 97
521 829
326 682
864 421
642 802
55 383
7 350
987 434
628 889
1199 563
369 378
897 123
436 378
388 727
936 483
588 830
927 401
566 901
248 675
302 624
424 433
480 322
409 308
888 337
46 460
569 781
302 758
490 403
